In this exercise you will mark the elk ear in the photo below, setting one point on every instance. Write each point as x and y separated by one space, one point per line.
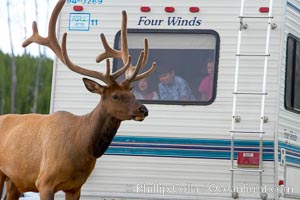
92 86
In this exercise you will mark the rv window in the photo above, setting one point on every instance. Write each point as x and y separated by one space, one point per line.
187 65
292 81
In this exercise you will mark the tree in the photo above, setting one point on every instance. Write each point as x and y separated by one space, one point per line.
13 64
24 21
2 88
26 68
37 77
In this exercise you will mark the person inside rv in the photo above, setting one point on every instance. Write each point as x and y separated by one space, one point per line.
173 87
206 85
143 91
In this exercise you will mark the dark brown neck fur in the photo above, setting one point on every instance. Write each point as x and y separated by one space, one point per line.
103 128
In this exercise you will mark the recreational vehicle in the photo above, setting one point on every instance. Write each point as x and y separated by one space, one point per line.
224 101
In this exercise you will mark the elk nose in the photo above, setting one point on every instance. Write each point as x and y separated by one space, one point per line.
143 110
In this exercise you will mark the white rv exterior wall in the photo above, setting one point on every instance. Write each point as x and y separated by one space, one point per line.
288 122
117 176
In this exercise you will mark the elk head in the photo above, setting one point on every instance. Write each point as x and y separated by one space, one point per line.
116 98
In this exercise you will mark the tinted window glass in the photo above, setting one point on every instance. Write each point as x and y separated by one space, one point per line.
292 81
186 70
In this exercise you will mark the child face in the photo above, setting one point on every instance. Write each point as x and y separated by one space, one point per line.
166 78
143 84
210 68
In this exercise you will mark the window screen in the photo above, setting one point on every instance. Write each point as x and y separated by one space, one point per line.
187 65
292 81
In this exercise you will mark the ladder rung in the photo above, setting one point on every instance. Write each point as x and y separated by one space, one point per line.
243 131
256 17
246 170
241 54
251 93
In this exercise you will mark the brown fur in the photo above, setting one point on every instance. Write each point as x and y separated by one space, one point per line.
48 153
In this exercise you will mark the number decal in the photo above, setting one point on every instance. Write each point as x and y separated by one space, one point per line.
85 1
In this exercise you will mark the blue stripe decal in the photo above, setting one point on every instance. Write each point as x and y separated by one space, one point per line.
195 148
296 8
292 152
185 147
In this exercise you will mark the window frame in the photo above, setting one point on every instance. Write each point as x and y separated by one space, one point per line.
178 31
290 74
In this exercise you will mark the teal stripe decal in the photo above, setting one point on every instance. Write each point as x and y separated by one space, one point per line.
185 147
292 153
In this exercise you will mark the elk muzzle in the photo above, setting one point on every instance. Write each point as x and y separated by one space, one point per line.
141 113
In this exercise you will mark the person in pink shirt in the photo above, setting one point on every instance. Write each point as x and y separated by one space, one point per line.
142 91
206 85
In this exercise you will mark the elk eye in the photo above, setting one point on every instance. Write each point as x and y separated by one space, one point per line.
131 88
115 97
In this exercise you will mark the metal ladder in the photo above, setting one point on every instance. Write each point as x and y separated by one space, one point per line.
263 94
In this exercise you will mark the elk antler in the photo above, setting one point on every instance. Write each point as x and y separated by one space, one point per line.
51 40
61 52
131 73
106 78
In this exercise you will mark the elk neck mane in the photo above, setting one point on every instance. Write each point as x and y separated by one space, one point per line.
101 131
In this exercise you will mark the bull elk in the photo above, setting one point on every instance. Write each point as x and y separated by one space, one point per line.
57 152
